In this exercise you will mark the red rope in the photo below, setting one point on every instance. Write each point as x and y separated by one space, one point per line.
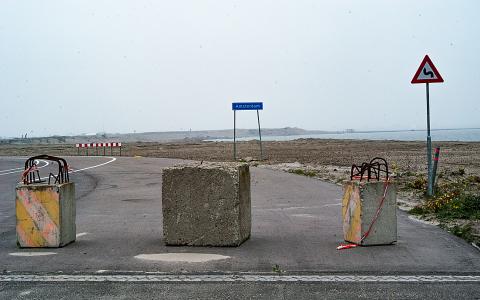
377 214
27 171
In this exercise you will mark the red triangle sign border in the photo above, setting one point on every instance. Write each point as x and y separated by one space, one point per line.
426 60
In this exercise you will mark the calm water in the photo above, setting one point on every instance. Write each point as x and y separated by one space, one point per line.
470 135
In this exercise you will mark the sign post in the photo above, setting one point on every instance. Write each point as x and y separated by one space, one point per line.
427 73
246 106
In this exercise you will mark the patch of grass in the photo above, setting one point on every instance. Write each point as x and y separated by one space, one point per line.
420 183
308 173
464 231
461 207
276 269
418 210
455 202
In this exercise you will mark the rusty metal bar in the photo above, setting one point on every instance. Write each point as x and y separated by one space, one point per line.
32 175
370 170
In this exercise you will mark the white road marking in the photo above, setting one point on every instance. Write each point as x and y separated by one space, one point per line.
81 234
305 216
112 159
182 257
2 171
29 254
25 293
333 204
20 170
241 278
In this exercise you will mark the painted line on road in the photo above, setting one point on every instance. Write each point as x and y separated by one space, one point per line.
182 257
3 171
112 159
238 278
81 234
20 170
29 254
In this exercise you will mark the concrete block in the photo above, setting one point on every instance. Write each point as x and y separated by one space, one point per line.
45 215
359 206
206 204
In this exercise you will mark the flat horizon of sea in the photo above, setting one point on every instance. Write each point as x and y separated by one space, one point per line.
454 135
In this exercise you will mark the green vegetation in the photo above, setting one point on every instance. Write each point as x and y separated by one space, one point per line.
419 183
308 173
276 269
455 204
452 200
466 232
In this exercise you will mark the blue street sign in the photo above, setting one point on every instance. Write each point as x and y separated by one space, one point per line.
247 106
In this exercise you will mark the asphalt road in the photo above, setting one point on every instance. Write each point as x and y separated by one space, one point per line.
296 224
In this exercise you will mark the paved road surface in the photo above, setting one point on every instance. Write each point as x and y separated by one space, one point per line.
296 225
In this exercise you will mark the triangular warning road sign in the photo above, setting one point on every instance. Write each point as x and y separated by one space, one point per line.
427 72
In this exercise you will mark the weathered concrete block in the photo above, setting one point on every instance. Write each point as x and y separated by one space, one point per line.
45 215
206 204
359 207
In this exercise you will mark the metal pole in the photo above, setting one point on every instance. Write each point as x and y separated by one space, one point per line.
260 135
234 136
435 165
429 147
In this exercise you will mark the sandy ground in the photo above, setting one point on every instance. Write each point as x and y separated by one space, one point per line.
331 154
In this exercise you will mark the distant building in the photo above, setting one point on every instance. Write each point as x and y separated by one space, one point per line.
349 130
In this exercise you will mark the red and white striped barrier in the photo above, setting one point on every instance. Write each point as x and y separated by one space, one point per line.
95 145
99 145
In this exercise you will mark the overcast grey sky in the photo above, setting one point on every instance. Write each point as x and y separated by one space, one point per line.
70 67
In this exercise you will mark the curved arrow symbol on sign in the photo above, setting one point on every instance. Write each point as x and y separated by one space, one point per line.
427 73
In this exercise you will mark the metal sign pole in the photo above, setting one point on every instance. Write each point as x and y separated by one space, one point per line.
426 73
246 106
429 147
260 136
234 137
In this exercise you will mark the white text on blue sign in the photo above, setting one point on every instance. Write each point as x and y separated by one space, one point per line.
247 106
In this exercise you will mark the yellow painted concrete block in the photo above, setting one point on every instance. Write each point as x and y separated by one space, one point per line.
351 212
360 204
45 215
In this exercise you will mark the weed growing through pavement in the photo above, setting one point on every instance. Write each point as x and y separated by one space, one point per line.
276 269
